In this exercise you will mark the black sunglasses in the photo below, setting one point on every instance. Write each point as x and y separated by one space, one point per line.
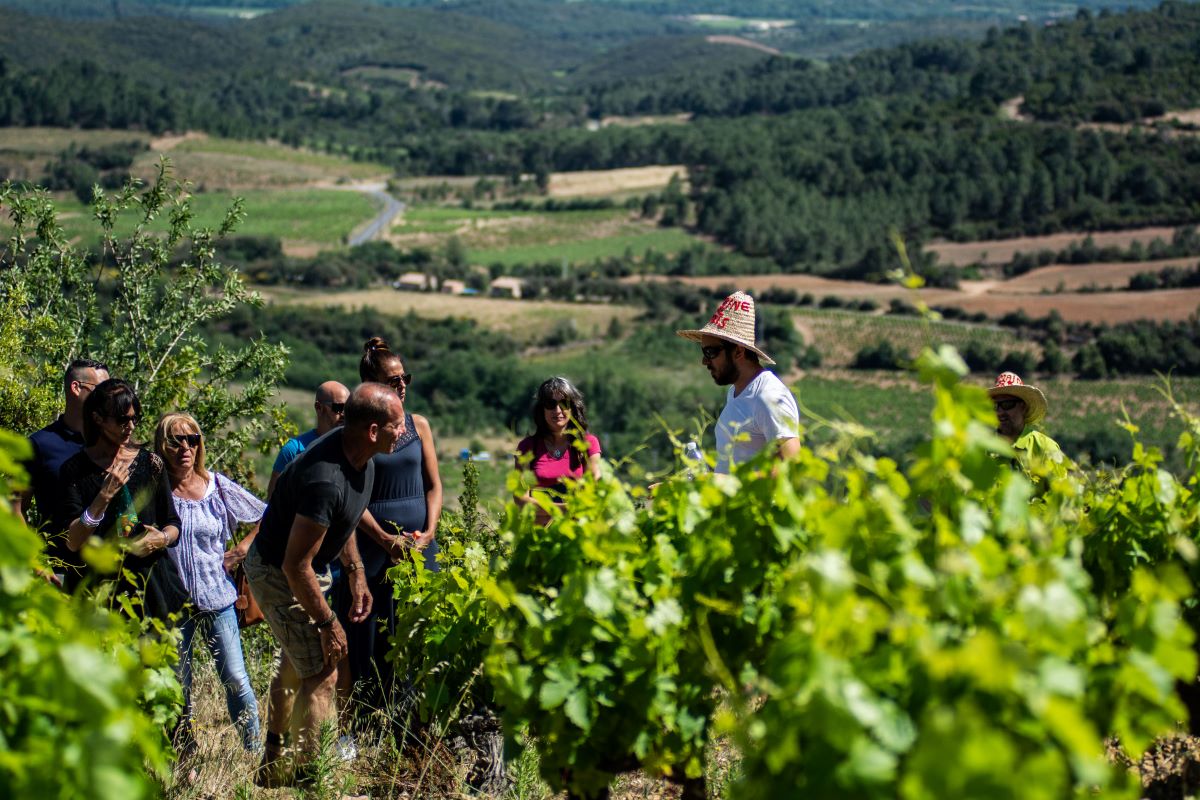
711 351
395 381
1005 405
192 440
337 408
133 419
548 405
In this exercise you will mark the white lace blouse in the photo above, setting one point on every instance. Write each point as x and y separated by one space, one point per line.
207 525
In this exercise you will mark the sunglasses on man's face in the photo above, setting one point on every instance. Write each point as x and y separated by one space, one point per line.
396 381
1006 405
711 351
336 408
192 440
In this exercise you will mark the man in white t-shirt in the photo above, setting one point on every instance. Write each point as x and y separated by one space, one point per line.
760 410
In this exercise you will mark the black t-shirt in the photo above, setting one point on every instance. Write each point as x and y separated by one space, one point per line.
324 486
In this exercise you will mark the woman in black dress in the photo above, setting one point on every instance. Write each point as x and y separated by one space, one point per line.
116 489
406 503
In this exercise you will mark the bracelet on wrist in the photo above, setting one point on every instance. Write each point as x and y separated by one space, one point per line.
88 520
322 625
354 566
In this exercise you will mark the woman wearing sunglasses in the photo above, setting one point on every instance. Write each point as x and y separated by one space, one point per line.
406 503
115 489
560 447
210 507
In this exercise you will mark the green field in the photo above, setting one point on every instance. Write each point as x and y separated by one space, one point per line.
510 237
317 216
839 335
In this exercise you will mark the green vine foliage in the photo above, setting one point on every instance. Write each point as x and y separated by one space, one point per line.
138 304
444 621
85 698
860 627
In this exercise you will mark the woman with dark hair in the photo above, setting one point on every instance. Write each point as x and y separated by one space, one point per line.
116 489
560 447
210 507
406 503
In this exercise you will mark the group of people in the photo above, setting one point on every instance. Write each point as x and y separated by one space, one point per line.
345 501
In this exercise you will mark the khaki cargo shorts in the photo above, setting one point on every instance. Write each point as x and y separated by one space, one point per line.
299 638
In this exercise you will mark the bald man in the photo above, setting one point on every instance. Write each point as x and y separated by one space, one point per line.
318 504
330 404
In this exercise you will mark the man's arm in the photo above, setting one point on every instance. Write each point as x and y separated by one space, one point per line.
788 448
271 483
360 596
303 543
20 503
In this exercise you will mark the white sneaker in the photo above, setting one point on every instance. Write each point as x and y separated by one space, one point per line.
347 750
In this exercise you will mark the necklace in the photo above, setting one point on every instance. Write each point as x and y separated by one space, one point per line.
556 452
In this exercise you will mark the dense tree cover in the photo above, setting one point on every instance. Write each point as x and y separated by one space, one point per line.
1140 63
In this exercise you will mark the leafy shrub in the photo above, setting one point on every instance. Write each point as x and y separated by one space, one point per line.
881 355
85 698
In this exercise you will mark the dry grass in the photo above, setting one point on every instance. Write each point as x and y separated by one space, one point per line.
214 163
526 320
392 762
1109 307
1001 251
1065 277
997 298
611 181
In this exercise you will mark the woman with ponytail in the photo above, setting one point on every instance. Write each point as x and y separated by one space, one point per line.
406 503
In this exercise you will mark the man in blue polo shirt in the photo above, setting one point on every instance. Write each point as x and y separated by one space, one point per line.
52 446
330 404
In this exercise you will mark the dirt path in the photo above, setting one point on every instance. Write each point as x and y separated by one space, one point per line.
164 143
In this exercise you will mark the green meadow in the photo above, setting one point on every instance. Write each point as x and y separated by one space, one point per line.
317 216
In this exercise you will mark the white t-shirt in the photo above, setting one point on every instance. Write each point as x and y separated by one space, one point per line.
764 411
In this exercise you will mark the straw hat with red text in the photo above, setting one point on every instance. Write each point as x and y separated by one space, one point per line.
1010 383
733 322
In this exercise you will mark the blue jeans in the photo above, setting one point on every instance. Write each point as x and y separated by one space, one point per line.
219 630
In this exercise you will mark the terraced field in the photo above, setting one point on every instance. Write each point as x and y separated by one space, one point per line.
510 237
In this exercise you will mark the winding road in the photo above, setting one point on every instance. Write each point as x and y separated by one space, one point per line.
391 208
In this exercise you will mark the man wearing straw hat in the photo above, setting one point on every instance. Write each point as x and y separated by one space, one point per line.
1018 406
759 410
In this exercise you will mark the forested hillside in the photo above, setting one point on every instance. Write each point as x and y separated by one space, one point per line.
807 164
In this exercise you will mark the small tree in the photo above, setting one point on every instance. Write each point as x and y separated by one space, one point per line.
140 304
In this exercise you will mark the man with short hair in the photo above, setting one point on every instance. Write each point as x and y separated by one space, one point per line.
330 404
1018 406
318 502
56 443
760 411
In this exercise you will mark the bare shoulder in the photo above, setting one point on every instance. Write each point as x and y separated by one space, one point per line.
423 428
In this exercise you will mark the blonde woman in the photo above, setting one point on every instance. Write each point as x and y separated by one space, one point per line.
210 506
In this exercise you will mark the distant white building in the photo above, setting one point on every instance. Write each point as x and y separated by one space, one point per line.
450 286
506 287
414 282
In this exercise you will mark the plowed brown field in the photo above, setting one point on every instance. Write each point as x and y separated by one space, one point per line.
994 298
1001 251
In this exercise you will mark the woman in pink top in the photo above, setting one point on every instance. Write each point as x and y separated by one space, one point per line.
560 447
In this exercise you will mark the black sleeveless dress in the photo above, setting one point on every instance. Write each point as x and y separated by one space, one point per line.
398 504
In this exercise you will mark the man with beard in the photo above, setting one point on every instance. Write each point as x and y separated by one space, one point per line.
760 411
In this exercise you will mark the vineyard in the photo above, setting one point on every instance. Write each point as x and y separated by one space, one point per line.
943 627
